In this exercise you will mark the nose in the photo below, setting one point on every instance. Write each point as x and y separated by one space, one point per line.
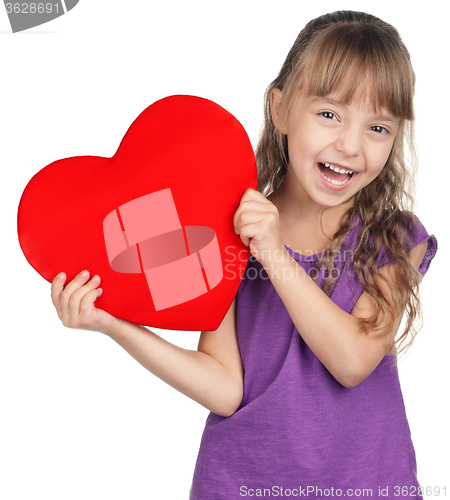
349 141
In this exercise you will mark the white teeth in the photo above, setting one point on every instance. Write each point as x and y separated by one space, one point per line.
335 182
337 169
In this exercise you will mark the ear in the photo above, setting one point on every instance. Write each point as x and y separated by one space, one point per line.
276 97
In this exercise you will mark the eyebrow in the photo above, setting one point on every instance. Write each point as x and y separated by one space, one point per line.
386 118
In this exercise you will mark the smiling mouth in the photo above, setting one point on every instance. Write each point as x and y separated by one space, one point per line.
334 174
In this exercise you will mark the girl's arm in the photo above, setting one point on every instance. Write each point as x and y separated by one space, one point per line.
212 375
335 336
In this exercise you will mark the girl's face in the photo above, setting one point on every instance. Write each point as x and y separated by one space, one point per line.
334 149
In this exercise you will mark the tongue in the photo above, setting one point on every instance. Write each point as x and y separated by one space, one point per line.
331 174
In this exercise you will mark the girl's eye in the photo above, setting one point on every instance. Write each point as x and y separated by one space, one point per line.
327 114
379 129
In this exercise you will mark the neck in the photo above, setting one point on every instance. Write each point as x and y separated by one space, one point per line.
297 207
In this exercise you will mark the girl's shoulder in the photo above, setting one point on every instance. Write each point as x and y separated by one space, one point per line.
404 228
416 234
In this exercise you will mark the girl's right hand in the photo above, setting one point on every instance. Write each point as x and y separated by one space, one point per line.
74 303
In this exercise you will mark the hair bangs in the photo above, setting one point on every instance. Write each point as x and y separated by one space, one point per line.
357 63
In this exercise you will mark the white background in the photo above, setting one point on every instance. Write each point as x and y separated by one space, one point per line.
79 418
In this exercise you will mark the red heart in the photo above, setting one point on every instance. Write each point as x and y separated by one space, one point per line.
155 221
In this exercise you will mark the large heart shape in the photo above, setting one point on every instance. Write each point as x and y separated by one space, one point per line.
154 221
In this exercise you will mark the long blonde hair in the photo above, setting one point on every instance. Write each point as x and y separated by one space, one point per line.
357 53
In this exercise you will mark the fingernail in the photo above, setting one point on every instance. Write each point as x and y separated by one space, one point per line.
61 276
83 273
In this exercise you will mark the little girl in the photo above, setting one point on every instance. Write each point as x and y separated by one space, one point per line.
300 377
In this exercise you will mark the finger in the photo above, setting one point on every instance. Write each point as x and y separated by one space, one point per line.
87 304
56 289
252 195
77 296
249 231
252 205
249 216
257 224
70 288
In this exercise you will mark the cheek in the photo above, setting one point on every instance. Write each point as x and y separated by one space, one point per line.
378 158
304 143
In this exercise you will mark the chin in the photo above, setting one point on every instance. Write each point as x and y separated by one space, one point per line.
331 202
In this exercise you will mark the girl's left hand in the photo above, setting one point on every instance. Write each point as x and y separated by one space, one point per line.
258 224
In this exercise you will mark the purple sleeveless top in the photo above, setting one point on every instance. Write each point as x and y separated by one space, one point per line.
298 432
